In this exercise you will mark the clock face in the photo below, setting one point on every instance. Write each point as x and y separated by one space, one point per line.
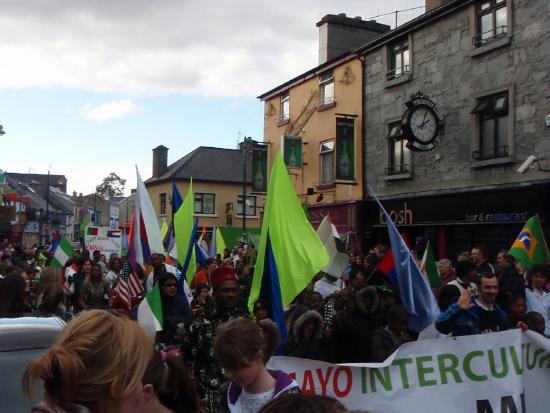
423 124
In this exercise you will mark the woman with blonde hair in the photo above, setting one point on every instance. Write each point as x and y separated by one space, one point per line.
50 295
95 366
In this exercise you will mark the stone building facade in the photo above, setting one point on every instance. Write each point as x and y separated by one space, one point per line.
486 65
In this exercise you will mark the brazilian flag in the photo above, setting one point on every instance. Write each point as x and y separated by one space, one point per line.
290 252
530 247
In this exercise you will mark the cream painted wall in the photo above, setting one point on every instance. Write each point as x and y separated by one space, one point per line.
315 126
225 192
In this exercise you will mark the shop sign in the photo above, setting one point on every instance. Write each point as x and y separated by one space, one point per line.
497 217
402 216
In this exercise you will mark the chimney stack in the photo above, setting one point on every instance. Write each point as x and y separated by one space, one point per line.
160 160
338 34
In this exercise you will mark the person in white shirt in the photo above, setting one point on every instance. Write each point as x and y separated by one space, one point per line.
536 296
465 274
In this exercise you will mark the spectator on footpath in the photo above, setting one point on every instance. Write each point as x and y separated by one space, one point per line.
95 366
385 340
465 275
167 387
199 336
243 348
480 259
475 315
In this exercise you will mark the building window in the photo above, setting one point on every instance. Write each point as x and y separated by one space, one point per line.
205 203
251 205
492 112
492 21
326 162
399 156
399 59
162 201
326 88
284 112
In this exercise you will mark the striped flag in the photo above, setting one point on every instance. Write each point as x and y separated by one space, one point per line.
150 313
62 253
129 285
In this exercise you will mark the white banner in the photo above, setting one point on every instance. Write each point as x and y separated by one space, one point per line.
506 372
103 239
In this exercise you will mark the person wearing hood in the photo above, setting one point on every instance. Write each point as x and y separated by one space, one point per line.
385 340
175 309
306 340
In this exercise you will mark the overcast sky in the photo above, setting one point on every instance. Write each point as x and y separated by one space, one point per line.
90 87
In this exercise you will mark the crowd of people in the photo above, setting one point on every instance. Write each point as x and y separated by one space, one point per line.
221 349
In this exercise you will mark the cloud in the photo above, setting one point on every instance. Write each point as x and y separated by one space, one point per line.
204 47
110 110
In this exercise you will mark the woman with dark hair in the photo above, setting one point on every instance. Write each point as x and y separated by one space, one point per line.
95 293
76 281
12 295
115 266
175 308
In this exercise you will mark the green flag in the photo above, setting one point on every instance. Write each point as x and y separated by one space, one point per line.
183 229
220 243
290 252
530 247
163 229
62 253
150 312
429 267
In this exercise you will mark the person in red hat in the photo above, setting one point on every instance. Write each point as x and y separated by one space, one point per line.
200 333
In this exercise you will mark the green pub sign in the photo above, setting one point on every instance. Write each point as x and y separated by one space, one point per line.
345 151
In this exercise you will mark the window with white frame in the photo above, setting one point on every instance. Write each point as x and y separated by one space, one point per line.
326 88
492 20
326 163
205 203
251 205
493 126
284 112
399 156
399 59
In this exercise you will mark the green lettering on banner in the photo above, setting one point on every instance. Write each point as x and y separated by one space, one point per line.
402 364
384 379
515 361
545 359
492 364
536 354
423 370
468 368
445 369
364 380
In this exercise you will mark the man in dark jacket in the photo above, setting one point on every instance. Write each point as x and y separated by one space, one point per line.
475 315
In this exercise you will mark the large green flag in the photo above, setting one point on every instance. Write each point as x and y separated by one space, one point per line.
220 243
290 252
163 229
429 267
183 229
530 247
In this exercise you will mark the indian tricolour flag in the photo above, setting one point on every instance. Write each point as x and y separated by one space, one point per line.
62 253
150 313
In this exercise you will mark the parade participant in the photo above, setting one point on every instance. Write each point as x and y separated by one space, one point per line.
199 336
95 366
465 274
385 340
373 275
446 273
261 310
306 338
303 403
538 299
51 297
243 348
75 283
115 266
475 315
463 256
175 309
204 273
535 322
167 387
97 260
95 293
328 284
202 300
510 282
516 309
479 257
159 268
